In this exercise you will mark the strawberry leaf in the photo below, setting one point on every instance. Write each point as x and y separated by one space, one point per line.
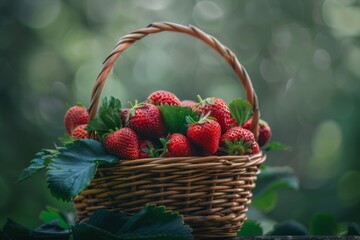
150 223
250 228
107 119
51 230
51 214
66 139
241 110
268 181
72 169
175 117
41 160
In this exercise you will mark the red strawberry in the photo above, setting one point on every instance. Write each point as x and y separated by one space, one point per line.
80 132
231 122
239 141
123 143
205 134
74 117
162 97
177 145
188 103
219 110
146 120
264 131
147 149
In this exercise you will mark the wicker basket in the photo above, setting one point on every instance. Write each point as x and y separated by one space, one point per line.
211 192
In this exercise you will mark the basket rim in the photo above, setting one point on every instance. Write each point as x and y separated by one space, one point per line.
188 163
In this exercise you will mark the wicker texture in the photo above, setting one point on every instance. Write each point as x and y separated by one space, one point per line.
211 192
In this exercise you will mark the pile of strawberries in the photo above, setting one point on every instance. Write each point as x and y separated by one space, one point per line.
141 130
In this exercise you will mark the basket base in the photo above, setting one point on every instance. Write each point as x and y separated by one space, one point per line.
212 193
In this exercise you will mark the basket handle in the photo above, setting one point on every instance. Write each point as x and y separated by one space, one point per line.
126 41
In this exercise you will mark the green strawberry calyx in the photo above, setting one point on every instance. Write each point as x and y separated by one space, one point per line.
203 119
132 110
206 101
238 147
107 119
152 151
164 142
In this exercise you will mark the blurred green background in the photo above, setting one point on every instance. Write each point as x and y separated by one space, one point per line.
303 57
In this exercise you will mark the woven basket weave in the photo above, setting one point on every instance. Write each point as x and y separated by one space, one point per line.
211 192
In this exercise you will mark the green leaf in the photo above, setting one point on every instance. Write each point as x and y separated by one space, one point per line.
241 110
86 231
272 146
268 181
51 214
107 220
150 223
166 222
51 231
273 178
3 236
14 230
324 224
175 117
266 201
108 117
289 228
66 139
250 229
41 160
74 167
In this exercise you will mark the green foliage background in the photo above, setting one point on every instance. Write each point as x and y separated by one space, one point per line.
302 55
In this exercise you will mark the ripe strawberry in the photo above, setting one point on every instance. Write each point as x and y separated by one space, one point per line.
80 132
177 145
264 131
123 143
162 97
74 117
188 103
147 149
146 120
239 141
219 110
205 134
231 122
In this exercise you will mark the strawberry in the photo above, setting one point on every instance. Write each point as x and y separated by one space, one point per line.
231 122
148 149
123 143
264 131
219 110
177 145
239 141
188 103
80 132
162 97
74 117
205 134
146 120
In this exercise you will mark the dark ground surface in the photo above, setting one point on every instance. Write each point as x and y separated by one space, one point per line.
298 238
